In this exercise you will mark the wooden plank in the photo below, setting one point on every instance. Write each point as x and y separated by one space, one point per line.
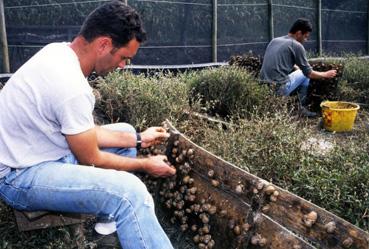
329 231
295 214
35 215
275 236
45 220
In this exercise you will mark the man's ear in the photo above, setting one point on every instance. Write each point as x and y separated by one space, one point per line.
104 45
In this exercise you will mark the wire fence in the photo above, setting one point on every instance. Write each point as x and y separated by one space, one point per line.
188 32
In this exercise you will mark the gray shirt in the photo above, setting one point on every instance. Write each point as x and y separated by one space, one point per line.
47 98
280 56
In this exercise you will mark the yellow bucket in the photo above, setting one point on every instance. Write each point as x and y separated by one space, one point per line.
338 115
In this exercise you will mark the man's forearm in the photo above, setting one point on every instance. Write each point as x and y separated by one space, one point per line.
315 75
107 138
109 160
323 75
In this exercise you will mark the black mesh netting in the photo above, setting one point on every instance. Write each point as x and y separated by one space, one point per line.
180 32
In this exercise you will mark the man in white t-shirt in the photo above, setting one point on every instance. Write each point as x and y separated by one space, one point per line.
49 142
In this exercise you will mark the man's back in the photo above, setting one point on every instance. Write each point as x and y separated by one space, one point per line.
280 56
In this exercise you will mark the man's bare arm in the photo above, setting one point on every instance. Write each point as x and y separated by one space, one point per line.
107 138
85 147
322 75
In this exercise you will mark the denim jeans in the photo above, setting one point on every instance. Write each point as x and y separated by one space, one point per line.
65 186
296 80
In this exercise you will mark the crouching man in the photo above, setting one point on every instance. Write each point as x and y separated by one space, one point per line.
286 53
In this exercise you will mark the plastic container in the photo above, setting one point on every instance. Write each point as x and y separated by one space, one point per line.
339 116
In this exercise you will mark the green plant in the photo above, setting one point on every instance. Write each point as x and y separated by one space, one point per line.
267 145
140 100
339 181
355 85
228 91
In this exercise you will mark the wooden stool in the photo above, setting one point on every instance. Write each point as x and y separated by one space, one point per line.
27 221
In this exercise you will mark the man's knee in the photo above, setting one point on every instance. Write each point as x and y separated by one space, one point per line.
306 82
135 190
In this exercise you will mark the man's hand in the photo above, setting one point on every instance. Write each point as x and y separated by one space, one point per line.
157 166
153 135
330 74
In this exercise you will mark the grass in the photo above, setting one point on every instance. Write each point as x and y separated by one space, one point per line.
355 81
330 170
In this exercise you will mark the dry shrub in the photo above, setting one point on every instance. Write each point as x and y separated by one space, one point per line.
228 91
140 100
267 145
355 84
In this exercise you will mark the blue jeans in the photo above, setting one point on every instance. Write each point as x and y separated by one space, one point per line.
296 80
65 186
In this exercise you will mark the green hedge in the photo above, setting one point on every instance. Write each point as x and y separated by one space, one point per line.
355 84
228 91
140 100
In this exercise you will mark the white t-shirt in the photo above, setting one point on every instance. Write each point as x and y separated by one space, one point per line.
45 99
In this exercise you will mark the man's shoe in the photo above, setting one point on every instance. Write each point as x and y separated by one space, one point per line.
110 241
105 228
306 113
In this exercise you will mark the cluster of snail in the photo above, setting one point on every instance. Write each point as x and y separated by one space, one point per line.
252 63
152 183
180 196
323 89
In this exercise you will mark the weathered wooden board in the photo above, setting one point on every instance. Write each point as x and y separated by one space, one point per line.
277 218
240 216
27 221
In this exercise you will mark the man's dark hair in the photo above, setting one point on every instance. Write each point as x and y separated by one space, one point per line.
303 25
116 20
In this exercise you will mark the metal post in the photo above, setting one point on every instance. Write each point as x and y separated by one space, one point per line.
319 30
4 40
271 19
215 32
126 2
368 30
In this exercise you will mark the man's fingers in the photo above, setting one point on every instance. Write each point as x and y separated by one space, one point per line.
172 171
162 132
162 157
160 129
